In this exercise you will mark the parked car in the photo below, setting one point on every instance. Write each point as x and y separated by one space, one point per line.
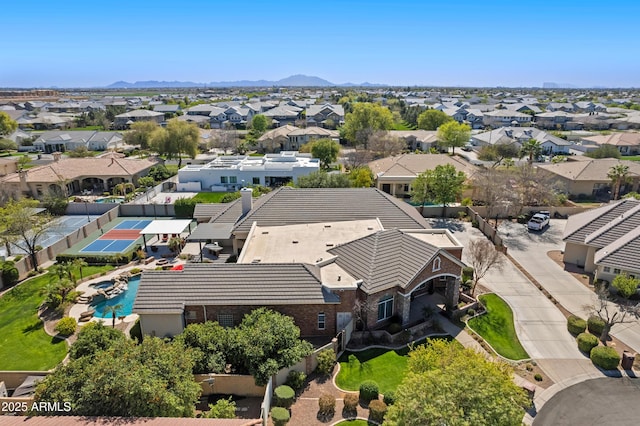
538 221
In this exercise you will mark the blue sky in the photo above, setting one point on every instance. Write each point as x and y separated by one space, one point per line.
472 43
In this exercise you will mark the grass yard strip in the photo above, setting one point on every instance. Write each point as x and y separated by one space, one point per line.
24 345
496 327
386 367
209 197
356 422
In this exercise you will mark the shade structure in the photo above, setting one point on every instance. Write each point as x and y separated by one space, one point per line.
166 227
211 231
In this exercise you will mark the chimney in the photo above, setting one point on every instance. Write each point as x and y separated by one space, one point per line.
247 200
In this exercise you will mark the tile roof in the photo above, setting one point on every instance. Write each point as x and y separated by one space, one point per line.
289 206
622 253
616 139
282 131
385 259
209 210
73 168
592 170
414 164
230 284
581 225
619 227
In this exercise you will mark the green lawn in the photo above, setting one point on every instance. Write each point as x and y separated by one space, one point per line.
386 367
630 157
172 168
403 125
496 327
209 197
356 422
24 345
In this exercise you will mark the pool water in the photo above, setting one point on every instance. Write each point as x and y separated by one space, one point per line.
125 299
110 200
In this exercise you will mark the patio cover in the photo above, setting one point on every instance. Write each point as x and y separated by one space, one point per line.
211 231
166 227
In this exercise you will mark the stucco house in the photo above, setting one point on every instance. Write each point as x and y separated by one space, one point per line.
313 254
325 115
628 143
515 135
588 178
124 120
605 240
394 175
505 117
72 175
61 141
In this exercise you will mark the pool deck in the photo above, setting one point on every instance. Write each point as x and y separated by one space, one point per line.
88 290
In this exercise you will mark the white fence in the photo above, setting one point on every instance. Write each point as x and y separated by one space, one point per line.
265 408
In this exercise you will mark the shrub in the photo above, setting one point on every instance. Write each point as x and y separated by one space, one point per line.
326 361
576 325
10 274
280 416
625 285
135 271
595 325
538 377
368 391
327 403
284 396
605 357
467 272
17 258
231 196
184 207
66 326
475 223
377 411
389 398
471 312
586 342
222 409
295 379
350 402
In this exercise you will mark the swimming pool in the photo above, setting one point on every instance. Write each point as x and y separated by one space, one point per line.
125 299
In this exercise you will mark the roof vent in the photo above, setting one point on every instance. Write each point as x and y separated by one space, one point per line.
370 228
256 260
295 241
327 226
265 232
329 244
339 277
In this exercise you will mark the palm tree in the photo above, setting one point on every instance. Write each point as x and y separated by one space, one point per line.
619 175
78 263
532 148
113 310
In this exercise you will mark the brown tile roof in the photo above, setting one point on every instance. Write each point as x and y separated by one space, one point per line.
592 170
418 163
616 139
73 168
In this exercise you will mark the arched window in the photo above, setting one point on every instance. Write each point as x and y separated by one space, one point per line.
436 264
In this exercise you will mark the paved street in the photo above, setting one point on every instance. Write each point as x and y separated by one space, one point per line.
530 249
540 326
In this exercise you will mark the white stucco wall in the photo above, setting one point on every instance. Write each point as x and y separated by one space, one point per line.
161 325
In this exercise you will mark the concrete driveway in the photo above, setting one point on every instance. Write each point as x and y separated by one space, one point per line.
530 249
540 326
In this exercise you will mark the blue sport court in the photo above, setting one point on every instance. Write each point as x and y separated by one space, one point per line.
119 239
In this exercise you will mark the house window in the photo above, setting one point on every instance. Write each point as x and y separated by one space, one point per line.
256 180
223 179
191 315
436 264
385 308
321 321
406 187
225 320
606 269
233 179
616 270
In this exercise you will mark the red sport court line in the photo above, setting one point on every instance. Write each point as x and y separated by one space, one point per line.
121 234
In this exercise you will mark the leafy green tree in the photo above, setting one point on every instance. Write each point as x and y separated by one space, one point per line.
140 133
453 134
10 274
7 124
259 124
160 173
322 179
184 207
93 338
23 161
625 285
452 385
146 182
178 138
80 152
445 184
604 151
619 175
20 227
325 150
431 119
361 177
209 342
364 120
7 145
265 342
531 149
152 379
420 191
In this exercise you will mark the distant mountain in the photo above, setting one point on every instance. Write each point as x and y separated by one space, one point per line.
551 85
297 80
